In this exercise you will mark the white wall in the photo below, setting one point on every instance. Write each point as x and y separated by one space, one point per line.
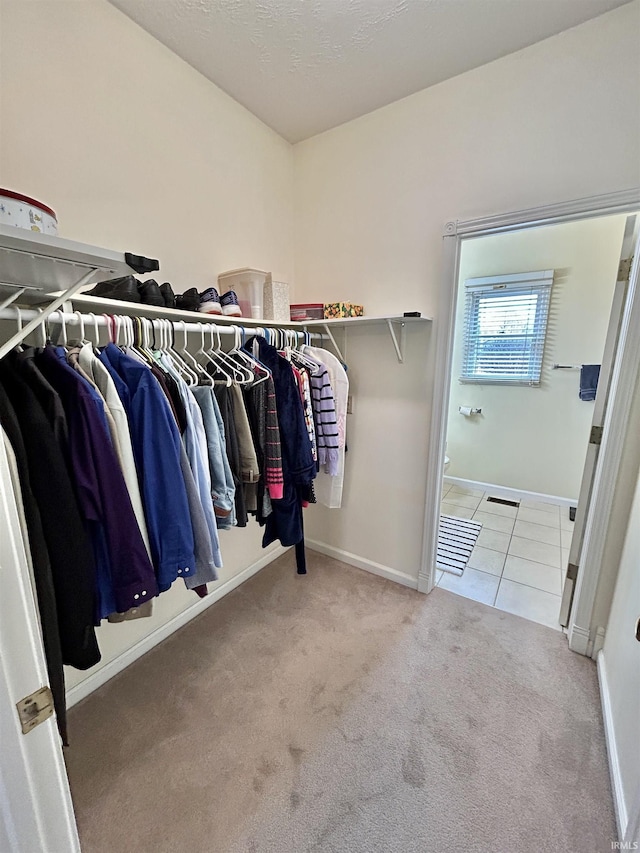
621 663
382 510
557 121
134 149
137 152
535 438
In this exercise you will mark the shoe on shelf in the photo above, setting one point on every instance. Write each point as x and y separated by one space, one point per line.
230 305
150 293
168 295
210 301
189 300
124 288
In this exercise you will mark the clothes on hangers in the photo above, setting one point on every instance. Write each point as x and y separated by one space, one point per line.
304 388
156 446
224 398
260 403
99 374
195 444
328 487
222 485
125 575
326 420
63 530
298 467
126 472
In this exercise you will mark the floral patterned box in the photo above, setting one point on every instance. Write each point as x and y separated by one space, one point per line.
335 310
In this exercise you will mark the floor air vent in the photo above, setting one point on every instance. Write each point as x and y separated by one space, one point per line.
503 501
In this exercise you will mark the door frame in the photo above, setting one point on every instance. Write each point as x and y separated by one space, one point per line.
626 371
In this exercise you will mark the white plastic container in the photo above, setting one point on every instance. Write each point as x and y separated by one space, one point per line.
248 285
24 212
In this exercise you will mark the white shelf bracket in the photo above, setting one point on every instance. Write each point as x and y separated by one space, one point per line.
333 341
12 297
399 346
16 339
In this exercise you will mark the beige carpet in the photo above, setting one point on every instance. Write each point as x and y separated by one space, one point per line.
341 712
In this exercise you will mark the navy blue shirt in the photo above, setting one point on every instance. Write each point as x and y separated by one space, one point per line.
102 492
156 448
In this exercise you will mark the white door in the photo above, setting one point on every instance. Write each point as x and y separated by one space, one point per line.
36 813
599 411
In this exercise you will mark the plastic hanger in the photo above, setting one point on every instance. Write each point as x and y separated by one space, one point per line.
234 357
220 357
168 352
96 329
200 374
81 334
242 354
62 334
210 355
184 358
20 324
252 363
42 330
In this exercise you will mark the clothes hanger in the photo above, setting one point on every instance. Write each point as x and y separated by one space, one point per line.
236 359
182 359
299 357
220 357
210 354
216 354
19 346
143 327
252 364
42 329
96 330
81 337
62 334
201 375
166 356
110 325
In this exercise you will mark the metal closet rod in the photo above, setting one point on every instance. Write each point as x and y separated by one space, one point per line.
66 318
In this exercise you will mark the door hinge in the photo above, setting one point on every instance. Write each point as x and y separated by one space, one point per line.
572 571
624 269
595 436
35 709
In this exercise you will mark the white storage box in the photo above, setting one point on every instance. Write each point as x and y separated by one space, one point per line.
276 301
24 212
248 285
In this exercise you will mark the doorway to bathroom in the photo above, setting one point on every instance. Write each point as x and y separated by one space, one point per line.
537 313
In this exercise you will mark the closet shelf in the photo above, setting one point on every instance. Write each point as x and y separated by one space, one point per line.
47 265
115 306
38 269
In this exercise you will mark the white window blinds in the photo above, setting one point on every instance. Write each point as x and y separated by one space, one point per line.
505 327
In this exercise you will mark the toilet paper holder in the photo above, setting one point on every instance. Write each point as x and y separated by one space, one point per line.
468 410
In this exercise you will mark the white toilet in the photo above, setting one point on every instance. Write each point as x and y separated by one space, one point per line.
446 463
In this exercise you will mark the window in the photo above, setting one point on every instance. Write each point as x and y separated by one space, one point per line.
505 326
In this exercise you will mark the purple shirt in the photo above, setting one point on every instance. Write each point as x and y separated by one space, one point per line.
102 492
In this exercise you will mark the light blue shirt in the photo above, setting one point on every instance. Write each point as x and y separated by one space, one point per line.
195 444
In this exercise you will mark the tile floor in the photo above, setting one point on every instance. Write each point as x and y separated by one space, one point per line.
520 557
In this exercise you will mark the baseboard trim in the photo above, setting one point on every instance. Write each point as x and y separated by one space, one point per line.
622 819
108 671
579 640
507 492
363 563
